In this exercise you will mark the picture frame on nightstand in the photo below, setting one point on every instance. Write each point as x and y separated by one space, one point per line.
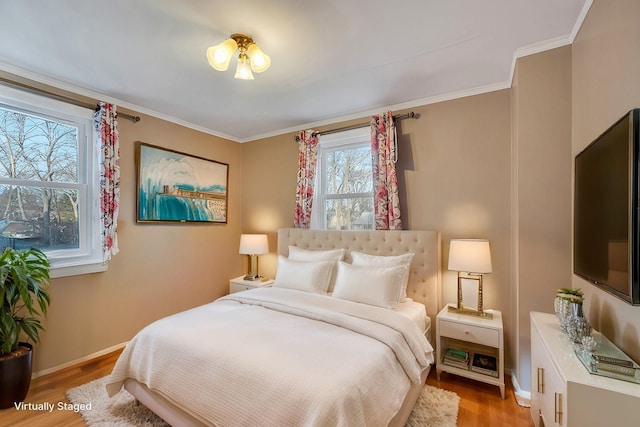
470 290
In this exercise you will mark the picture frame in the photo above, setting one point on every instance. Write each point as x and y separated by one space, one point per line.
172 186
470 298
469 293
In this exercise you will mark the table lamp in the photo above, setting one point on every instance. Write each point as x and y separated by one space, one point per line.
253 245
471 258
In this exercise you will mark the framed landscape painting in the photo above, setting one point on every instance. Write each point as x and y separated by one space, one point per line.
179 187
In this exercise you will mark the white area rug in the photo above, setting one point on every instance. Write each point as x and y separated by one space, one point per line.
435 408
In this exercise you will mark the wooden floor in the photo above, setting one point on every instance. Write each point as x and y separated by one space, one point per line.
480 404
51 388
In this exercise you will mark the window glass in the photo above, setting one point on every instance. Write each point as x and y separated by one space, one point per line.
344 182
34 151
348 170
45 185
353 213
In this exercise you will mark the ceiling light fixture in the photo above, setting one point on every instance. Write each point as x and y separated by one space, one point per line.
250 58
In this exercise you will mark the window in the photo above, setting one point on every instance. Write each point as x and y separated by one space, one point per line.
48 181
343 199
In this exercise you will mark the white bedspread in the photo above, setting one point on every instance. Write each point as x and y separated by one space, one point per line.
279 357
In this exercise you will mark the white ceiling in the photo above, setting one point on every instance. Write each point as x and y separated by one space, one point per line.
331 60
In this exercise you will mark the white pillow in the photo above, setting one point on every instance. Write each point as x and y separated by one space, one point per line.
379 286
309 276
359 258
334 255
300 254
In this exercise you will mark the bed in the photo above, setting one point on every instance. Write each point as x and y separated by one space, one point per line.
290 356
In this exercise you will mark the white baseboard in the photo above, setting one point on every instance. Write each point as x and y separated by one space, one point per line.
78 361
523 397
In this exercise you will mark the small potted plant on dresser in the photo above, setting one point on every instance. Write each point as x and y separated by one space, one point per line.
24 278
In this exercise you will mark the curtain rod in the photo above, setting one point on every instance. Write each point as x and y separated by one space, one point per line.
409 115
63 98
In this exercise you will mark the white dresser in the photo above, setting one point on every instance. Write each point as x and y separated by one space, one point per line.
564 393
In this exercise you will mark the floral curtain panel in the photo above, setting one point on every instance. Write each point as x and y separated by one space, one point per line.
385 182
108 146
307 161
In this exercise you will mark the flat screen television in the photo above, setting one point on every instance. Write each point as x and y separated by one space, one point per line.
606 218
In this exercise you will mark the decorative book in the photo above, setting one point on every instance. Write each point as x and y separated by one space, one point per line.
456 358
600 359
622 370
456 354
484 364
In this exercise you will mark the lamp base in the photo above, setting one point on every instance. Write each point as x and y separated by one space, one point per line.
469 312
253 277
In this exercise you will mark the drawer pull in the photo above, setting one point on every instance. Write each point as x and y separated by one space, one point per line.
466 332
558 408
541 380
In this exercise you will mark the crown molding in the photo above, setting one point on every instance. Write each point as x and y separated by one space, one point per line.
551 43
394 107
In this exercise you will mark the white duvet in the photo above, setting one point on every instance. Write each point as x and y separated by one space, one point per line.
279 357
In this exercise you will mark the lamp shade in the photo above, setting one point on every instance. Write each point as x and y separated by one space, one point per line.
243 71
254 244
470 256
220 55
260 61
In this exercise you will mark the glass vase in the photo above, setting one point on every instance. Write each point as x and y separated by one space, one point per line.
561 306
577 325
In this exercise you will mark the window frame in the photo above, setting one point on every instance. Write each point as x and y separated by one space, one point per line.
87 258
353 138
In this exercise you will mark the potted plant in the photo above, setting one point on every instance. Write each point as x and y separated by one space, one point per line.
24 277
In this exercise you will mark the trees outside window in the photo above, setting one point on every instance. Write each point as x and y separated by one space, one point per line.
48 179
40 157
344 188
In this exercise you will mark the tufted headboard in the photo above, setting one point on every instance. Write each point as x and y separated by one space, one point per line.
425 277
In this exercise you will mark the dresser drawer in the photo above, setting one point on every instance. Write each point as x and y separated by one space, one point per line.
470 333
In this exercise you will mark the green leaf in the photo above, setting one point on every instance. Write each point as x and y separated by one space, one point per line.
30 327
24 295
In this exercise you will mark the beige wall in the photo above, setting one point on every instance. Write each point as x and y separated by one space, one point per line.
541 204
454 162
454 169
606 84
161 268
268 191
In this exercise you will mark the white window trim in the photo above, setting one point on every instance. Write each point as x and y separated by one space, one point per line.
88 258
358 137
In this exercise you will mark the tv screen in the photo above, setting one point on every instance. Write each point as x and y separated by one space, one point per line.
605 215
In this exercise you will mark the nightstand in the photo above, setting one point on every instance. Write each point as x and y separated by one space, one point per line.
239 284
471 347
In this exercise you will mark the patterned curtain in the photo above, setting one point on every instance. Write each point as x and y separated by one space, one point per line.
108 146
307 160
385 182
